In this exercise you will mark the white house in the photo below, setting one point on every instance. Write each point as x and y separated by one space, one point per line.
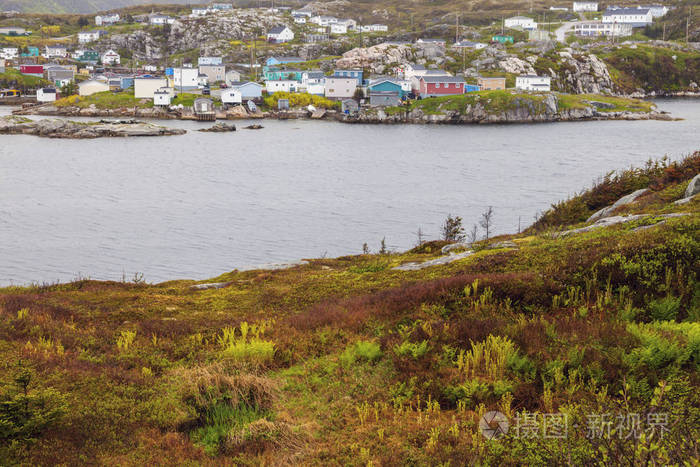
340 88
468 45
46 95
339 28
56 51
374 28
520 22
533 83
314 82
657 11
105 20
186 78
280 34
598 28
231 96
145 88
201 11
163 97
161 20
299 19
585 6
637 17
87 88
302 12
9 53
85 37
283 85
324 21
111 58
210 61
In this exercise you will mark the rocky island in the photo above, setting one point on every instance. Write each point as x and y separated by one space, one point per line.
59 128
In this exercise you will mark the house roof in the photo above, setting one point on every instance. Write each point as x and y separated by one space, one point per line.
378 81
315 74
442 79
520 17
431 40
240 84
277 30
625 11
48 91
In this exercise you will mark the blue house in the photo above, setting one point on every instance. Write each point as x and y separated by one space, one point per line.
357 74
272 61
385 85
471 88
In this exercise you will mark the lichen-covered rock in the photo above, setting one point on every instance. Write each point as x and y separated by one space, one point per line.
693 187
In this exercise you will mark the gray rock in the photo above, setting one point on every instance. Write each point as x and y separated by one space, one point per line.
608 221
627 199
503 244
693 187
219 128
684 200
214 285
454 246
414 266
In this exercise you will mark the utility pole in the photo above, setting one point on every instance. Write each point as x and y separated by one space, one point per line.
687 24
457 28
663 35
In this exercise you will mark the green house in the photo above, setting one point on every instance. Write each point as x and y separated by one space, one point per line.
89 56
502 39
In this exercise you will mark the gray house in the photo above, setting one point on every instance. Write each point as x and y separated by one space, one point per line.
384 98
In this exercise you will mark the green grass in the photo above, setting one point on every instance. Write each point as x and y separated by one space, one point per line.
106 100
12 77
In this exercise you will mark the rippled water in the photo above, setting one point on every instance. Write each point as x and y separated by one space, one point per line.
197 205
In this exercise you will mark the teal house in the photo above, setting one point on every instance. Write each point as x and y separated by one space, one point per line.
275 74
502 39
386 85
31 52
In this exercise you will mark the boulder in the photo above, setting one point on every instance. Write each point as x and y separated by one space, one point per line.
693 187
627 199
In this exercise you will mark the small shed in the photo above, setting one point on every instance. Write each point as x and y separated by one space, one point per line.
46 95
349 106
283 104
162 97
204 109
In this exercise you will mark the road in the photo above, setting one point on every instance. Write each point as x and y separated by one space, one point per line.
563 29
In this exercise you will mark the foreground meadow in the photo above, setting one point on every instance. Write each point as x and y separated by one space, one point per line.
587 343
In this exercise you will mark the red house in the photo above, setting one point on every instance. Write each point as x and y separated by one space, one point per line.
36 70
433 86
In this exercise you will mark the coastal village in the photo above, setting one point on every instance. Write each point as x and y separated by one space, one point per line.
380 72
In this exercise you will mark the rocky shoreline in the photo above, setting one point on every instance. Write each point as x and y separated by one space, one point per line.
548 112
60 128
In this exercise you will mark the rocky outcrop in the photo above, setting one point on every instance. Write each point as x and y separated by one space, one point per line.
609 221
377 57
93 111
625 200
59 128
521 109
219 128
583 74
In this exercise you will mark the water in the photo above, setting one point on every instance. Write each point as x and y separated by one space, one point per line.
198 205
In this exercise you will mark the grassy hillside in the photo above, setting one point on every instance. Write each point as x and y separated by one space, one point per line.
349 361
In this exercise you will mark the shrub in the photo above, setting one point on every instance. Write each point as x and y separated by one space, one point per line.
664 309
488 358
413 349
366 351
